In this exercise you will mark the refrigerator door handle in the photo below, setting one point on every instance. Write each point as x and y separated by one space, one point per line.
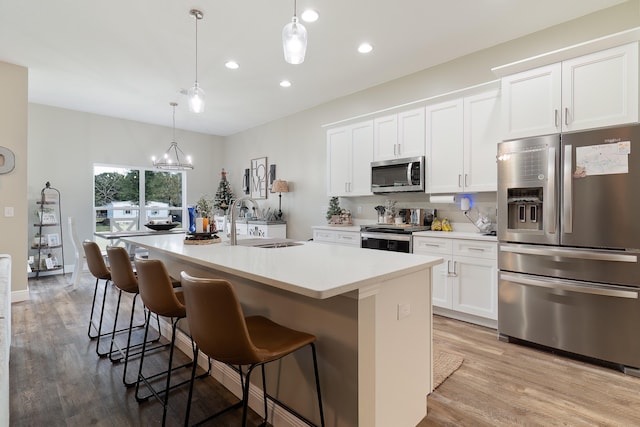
567 202
570 286
551 213
570 253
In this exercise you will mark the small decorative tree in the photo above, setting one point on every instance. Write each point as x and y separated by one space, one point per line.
224 195
334 208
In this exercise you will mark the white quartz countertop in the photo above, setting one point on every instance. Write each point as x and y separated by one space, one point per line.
337 227
312 269
456 235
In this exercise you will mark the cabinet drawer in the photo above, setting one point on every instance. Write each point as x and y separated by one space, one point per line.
324 236
475 248
350 239
432 245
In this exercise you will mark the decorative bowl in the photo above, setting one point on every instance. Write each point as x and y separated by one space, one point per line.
162 227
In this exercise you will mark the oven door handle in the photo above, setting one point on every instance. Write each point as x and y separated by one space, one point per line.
387 236
570 286
572 253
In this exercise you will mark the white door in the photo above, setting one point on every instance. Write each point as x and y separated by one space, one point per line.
444 127
411 133
361 158
475 287
481 138
385 140
338 161
600 89
531 102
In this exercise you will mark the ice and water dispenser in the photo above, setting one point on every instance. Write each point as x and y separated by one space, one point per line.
524 207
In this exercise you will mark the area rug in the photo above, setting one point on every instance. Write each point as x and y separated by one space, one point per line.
444 364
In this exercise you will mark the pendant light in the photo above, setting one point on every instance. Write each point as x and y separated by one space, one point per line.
294 40
171 160
196 94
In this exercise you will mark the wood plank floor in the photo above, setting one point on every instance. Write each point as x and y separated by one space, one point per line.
501 384
58 380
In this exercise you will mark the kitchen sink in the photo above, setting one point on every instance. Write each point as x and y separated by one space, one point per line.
268 243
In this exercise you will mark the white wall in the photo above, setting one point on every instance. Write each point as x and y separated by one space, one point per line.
13 185
64 145
296 144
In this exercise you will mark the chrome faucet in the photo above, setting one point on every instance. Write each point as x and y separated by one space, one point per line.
233 238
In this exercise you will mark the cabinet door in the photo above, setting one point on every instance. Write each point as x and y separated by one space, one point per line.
600 89
444 128
442 283
411 133
361 158
385 137
531 102
475 287
481 137
338 161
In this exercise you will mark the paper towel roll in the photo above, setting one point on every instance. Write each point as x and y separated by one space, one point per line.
465 204
442 199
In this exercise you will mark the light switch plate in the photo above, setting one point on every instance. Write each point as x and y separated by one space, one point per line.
8 211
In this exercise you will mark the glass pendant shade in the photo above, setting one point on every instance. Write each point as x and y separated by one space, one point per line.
294 41
196 99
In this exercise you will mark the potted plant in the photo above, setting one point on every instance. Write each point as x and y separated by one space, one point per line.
204 208
334 211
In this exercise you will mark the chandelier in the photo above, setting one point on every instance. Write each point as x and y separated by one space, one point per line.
172 158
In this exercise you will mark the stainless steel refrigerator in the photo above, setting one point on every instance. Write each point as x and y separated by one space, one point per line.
569 232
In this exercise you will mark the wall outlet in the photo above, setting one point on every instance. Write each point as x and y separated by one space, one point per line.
359 210
404 311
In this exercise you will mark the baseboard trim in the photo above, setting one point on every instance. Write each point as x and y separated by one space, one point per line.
19 296
229 378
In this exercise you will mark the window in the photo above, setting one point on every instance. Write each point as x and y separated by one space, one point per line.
126 198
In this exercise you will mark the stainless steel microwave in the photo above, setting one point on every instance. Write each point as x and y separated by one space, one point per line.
398 175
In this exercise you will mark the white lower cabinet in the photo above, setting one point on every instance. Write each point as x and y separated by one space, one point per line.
336 237
272 231
466 284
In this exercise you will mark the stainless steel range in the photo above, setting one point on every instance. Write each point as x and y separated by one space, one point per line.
569 243
389 237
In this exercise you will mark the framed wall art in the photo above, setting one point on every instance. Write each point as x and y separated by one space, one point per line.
259 178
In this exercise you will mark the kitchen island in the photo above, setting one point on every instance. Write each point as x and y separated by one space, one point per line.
370 310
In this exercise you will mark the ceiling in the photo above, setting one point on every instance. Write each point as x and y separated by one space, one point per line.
130 59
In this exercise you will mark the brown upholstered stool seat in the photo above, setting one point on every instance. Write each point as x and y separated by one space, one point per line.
161 298
99 270
221 331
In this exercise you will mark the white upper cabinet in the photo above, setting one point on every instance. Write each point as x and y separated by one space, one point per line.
349 156
399 135
600 89
445 146
462 138
590 91
531 102
481 137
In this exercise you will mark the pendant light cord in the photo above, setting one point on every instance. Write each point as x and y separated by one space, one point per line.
197 19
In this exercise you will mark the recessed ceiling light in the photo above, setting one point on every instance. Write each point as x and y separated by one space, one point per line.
365 48
232 65
285 83
309 15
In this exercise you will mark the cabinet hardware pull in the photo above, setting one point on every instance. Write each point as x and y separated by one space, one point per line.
566 116
459 180
476 249
555 113
466 176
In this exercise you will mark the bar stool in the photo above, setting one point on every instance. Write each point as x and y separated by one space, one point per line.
125 279
100 271
221 331
160 297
